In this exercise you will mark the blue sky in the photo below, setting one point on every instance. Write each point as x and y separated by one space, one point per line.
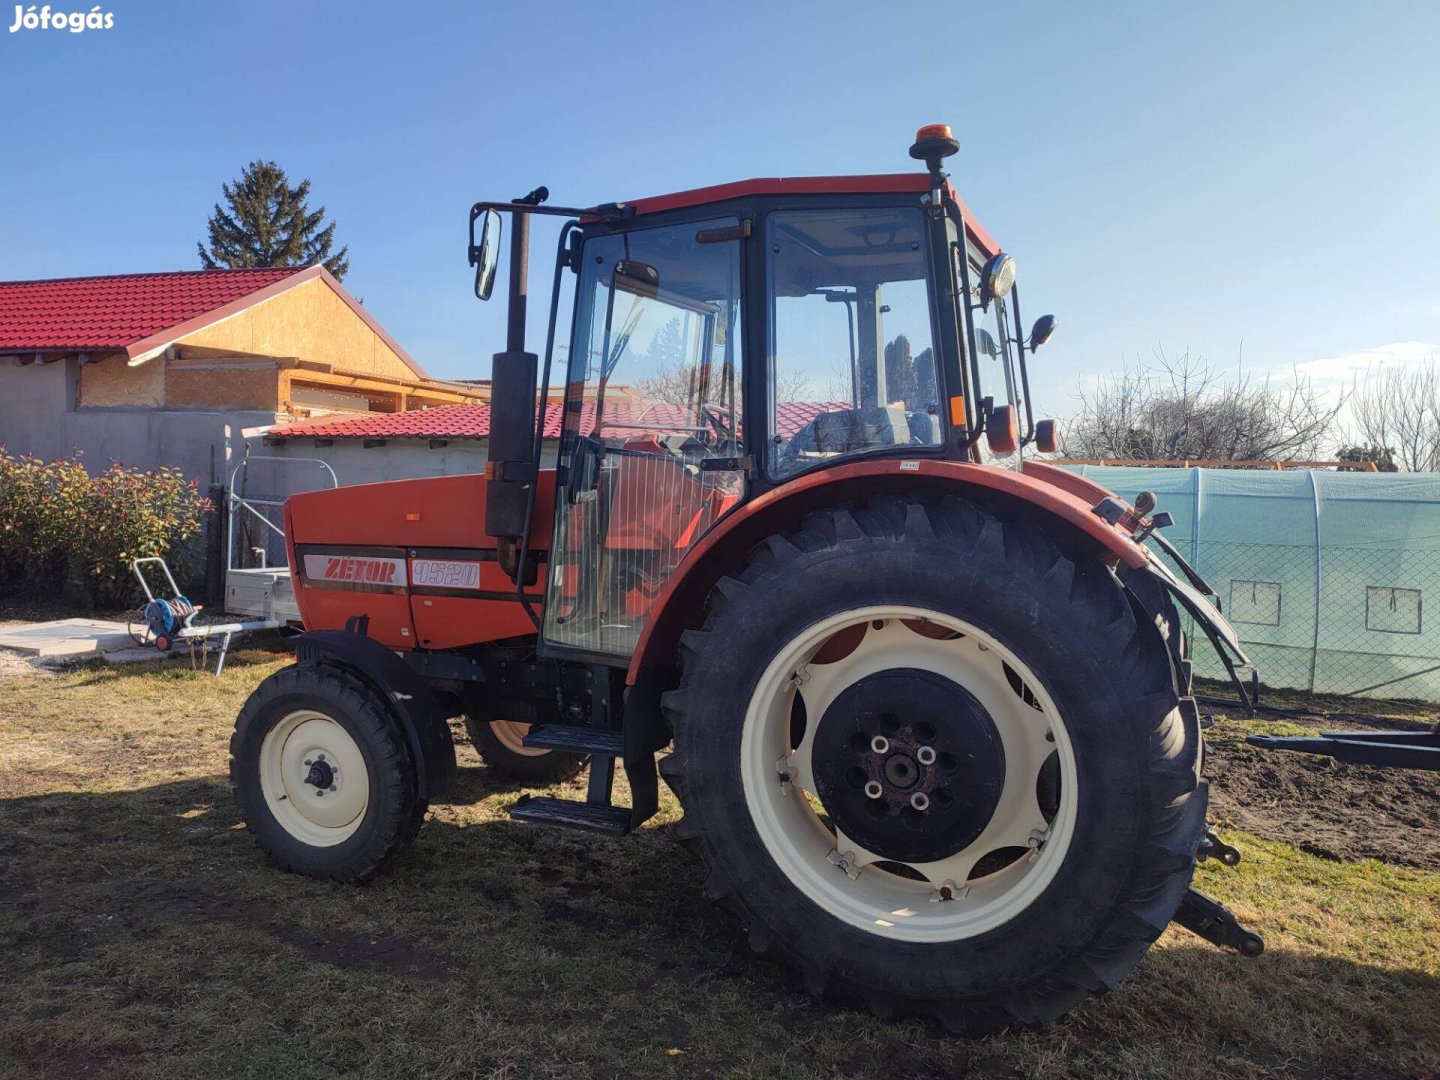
1185 175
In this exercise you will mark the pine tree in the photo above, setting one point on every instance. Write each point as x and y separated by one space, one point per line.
269 224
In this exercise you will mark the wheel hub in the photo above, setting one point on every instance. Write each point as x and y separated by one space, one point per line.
909 764
321 774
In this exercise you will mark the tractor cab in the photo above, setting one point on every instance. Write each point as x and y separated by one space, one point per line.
733 339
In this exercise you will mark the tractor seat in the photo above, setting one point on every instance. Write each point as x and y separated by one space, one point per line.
854 429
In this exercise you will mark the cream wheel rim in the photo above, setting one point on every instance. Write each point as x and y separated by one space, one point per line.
314 778
961 894
511 735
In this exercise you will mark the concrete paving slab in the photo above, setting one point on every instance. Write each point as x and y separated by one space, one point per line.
133 655
66 637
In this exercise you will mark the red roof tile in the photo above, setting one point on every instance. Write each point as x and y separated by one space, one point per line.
473 421
116 312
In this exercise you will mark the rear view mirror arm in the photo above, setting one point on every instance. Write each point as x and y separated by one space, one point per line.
1029 435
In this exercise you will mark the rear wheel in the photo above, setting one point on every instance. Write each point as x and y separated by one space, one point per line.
950 777
324 774
500 743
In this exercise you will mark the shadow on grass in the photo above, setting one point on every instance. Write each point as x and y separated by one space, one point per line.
145 934
179 664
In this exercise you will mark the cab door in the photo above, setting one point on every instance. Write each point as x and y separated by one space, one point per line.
652 451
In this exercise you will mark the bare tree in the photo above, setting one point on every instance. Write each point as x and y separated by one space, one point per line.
1398 408
1182 408
678 383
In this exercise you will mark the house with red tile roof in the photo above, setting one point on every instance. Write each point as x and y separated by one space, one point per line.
168 368
472 422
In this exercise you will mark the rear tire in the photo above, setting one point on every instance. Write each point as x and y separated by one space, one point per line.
324 774
988 948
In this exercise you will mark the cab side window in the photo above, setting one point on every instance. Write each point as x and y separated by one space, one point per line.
851 352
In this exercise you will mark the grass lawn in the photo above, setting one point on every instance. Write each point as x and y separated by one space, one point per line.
143 934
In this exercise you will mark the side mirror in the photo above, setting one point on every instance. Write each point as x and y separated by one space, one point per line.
485 255
1042 330
985 343
996 278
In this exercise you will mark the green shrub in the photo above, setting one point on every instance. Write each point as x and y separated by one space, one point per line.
65 532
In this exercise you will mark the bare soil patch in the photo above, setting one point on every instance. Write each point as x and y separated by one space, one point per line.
1320 805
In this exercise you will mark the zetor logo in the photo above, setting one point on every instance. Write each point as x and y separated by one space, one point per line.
77 22
347 569
356 569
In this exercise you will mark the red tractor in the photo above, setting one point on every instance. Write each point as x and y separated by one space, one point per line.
930 706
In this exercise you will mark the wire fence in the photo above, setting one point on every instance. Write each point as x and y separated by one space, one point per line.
1326 619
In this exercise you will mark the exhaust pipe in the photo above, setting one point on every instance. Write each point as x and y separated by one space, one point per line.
511 470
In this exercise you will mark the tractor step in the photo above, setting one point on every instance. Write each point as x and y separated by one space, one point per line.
576 740
543 810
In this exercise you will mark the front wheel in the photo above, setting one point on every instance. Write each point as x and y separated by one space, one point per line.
324 774
950 777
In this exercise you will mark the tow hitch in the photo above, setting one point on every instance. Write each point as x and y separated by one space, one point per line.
1387 749
1217 924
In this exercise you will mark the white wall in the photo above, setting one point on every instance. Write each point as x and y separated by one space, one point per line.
37 417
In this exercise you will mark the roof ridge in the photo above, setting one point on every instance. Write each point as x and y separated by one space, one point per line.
283 270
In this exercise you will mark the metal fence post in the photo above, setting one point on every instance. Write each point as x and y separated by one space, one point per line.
1195 517
1315 639
215 526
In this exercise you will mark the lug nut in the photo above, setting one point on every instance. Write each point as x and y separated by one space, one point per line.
925 755
873 790
880 744
920 801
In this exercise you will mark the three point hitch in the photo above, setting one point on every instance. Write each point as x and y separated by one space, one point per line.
1211 919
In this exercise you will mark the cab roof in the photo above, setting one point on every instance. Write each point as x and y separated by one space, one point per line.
899 183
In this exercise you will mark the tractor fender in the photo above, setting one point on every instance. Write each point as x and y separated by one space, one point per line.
1049 491
409 699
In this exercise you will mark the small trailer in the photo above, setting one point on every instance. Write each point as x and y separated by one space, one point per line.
261 596
264 592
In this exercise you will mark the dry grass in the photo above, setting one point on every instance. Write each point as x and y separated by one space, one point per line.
142 934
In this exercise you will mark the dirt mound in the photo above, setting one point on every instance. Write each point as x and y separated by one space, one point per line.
1323 806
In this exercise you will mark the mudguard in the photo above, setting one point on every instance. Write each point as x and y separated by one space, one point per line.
1190 590
1061 498
1217 628
411 701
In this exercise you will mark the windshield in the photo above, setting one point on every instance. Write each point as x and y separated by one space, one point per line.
853 362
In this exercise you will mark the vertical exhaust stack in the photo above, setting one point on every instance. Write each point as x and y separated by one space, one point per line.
511 471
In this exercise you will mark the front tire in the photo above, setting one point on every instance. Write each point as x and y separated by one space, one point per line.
936 763
324 774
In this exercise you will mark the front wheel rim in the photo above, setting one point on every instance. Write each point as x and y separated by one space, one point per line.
314 778
966 892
